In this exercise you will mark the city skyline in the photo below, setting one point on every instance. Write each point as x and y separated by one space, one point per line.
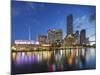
52 37
50 16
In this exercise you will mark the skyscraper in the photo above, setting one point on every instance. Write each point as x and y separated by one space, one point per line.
77 37
70 24
58 35
54 35
77 33
42 39
51 35
83 36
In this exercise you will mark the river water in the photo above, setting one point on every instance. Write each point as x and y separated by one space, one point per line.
53 61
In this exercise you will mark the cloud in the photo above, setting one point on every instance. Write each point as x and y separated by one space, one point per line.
92 18
26 7
92 35
31 6
15 12
79 22
85 20
35 6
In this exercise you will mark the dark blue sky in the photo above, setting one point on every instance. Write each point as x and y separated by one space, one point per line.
43 16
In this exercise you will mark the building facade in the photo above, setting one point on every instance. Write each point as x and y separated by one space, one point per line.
51 36
58 35
83 36
54 35
77 37
70 24
42 39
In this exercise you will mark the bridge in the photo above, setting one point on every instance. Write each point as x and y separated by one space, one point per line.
92 41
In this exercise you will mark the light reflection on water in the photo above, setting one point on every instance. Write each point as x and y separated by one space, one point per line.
49 61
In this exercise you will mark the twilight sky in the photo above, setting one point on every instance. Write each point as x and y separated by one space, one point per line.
43 16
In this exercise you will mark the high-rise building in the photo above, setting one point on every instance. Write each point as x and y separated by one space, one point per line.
58 35
83 36
70 24
87 41
54 35
51 35
42 39
77 37
77 33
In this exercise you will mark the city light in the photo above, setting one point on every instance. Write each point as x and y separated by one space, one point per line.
51 42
